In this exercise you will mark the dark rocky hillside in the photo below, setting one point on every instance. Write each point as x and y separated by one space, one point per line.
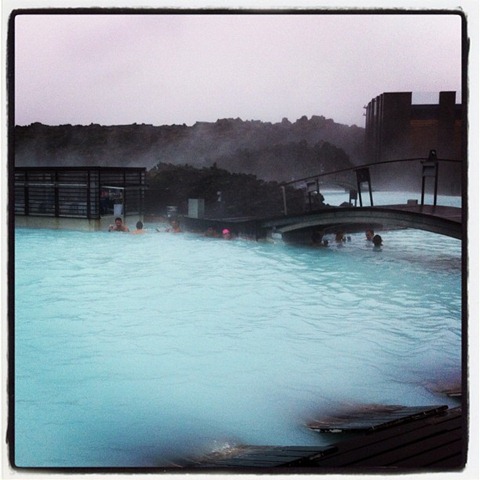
279 151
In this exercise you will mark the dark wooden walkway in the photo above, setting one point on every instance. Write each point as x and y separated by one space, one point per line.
434 441
430 443
373 417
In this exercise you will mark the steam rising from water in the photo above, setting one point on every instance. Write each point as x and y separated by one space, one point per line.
147 350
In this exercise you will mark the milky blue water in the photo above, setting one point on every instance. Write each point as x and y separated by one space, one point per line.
336 197
145 350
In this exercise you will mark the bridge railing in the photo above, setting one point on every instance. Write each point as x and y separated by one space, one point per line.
418 176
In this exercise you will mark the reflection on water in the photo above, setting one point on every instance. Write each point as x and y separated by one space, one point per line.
149 350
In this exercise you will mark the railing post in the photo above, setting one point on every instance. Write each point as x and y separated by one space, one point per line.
353 196
124 195
56 195
27 194
363 175
89 202
430 169
284 194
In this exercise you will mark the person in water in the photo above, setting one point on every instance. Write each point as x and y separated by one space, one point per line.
118 226
139 228
377 242
174 227
226 234
211 232
317 239
369 234
340 237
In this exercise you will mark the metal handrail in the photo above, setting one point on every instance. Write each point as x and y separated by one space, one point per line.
366 165
363 175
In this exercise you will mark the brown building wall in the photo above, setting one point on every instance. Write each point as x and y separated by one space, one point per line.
422 133
395 129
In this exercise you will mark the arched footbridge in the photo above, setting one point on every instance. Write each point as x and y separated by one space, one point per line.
438 219
316 216
444 220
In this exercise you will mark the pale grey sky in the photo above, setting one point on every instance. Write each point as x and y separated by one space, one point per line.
163 69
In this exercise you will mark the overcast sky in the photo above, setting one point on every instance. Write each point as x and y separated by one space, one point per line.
172 69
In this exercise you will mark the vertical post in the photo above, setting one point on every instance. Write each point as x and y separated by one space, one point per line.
142 192
124 209
97 210
430 169
363 175
359 189
89 203
284 194
370 192
55 194
422 202
353 196
27 196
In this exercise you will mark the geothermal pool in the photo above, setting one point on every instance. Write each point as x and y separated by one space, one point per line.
146 350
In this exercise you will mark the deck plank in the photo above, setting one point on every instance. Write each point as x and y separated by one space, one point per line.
432 442
268 457
402 445
424 446
374 418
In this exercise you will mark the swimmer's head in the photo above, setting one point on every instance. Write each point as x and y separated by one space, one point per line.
377 240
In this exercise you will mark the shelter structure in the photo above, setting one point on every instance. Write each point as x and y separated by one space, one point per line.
83 198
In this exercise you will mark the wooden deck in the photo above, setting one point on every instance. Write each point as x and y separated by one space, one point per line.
434 441
263 457
431 443
373 417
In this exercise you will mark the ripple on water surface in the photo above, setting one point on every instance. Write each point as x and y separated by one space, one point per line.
138 350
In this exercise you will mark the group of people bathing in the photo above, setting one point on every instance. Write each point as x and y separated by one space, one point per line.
119 226
317 237
174 227
340 238
376 240
211 232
